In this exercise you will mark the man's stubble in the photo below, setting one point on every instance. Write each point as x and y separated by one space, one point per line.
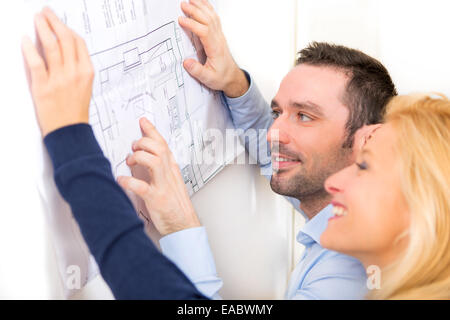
309 177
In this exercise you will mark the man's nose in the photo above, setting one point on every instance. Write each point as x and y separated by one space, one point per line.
277 133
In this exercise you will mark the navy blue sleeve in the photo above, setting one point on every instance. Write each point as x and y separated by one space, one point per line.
129 262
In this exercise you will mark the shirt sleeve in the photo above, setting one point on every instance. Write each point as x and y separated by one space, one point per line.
252 118
190 251
342 278
128 261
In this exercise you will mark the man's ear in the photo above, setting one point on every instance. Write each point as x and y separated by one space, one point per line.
364 134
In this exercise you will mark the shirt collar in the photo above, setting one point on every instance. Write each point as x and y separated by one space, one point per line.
313 228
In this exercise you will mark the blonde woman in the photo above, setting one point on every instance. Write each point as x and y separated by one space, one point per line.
392 208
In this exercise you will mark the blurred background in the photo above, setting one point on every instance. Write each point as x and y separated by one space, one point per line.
251 230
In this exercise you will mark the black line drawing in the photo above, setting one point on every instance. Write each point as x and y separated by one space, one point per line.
144 77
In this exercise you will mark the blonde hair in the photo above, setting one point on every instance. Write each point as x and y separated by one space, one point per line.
422 126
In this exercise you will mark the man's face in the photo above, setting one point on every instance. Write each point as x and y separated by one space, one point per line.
309 130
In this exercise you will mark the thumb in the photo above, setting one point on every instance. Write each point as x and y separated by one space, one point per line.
199 71
137 186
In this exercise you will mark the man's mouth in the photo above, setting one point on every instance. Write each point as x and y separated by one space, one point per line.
282 162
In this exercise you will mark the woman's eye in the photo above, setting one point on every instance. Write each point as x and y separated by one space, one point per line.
275 114
362 165
304 117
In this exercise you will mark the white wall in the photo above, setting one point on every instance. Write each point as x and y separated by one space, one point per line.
411 37
26 258
415 45
261 37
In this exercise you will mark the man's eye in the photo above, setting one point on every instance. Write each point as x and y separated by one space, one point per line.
304 117
275 114
362 165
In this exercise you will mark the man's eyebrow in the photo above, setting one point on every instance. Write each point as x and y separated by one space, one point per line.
309 106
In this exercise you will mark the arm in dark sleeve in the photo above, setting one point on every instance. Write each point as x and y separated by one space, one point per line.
128 261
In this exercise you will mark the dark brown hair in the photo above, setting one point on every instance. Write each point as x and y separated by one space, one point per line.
369 88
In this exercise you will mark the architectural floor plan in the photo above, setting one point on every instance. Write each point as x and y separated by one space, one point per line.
137 49
144 77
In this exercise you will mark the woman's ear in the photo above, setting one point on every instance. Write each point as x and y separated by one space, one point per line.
364 134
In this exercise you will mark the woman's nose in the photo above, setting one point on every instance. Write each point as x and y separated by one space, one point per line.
335 183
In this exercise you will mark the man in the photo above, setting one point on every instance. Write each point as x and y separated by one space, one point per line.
325 107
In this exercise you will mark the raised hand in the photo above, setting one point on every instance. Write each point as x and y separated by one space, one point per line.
165 195
220 71
61 80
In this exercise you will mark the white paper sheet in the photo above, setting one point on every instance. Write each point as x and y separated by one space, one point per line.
137 48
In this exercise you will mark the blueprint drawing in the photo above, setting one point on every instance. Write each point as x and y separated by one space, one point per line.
137 49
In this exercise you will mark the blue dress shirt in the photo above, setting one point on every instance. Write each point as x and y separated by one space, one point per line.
320 274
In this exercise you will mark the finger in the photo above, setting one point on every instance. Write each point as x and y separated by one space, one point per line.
84 59
148 145
198 71
139 187
206 8
65 37
145 159
201 6
49 43
149 130
194 12
82 51
34 62
208 5
200 30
